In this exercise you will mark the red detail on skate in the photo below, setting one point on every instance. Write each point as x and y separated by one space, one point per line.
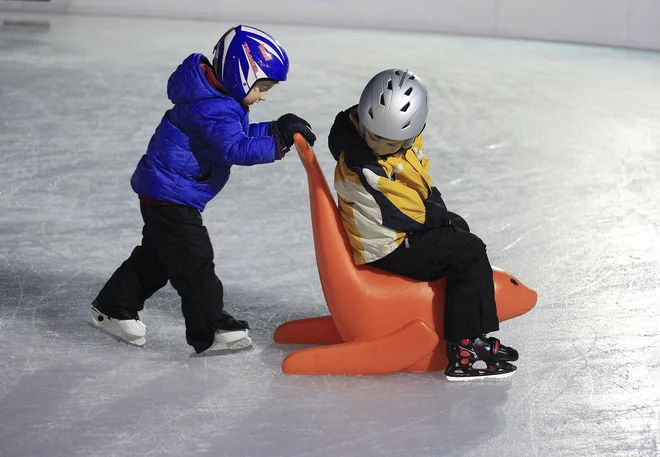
464 353
496 346
464 361
465 342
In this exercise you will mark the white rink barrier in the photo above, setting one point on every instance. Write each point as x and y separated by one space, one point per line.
622 23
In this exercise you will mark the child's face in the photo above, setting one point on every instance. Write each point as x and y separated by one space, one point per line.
259 92
382 146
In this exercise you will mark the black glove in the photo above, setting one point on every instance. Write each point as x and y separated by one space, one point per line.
284 128
436 196
436 210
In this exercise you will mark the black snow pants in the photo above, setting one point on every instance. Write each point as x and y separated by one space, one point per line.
175 247
453 252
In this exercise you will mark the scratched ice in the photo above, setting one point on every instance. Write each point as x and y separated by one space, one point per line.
550 151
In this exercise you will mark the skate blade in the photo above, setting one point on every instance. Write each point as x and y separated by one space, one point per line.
132 339
240 344
228 338
479 377
243 343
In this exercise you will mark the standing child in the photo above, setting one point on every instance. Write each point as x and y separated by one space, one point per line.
187 163
397 221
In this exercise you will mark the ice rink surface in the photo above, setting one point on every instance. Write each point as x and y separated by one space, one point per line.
550 151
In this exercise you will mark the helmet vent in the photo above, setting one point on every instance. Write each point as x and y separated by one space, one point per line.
405 107
371 113
389 84
407 124
382 99
397 72
409 91
411 77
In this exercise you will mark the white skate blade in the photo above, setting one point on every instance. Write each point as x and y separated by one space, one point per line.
132 331
132 339
241 343
479 378
227 337
133 328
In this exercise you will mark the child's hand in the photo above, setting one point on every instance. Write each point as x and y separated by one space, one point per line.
286 126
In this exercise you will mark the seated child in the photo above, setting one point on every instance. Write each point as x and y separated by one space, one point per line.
396 219
187 163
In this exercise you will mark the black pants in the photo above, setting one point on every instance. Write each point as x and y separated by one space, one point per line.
175 247
454 252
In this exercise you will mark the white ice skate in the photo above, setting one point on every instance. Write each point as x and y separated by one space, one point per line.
133 331
230 339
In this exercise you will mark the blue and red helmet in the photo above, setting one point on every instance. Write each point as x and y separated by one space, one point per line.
245 55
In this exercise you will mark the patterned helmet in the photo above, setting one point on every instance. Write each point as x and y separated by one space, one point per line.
245 55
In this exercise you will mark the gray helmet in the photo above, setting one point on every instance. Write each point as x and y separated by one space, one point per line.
394 105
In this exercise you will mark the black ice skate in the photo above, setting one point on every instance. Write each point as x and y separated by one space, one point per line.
464 354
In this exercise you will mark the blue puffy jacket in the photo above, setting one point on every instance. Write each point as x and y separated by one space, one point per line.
190 155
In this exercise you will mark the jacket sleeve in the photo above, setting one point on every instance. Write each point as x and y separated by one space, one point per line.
259 129
402 209
222 130
233 147
436 210
396 205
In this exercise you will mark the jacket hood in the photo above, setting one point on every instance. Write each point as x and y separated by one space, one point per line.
188 83
345 135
